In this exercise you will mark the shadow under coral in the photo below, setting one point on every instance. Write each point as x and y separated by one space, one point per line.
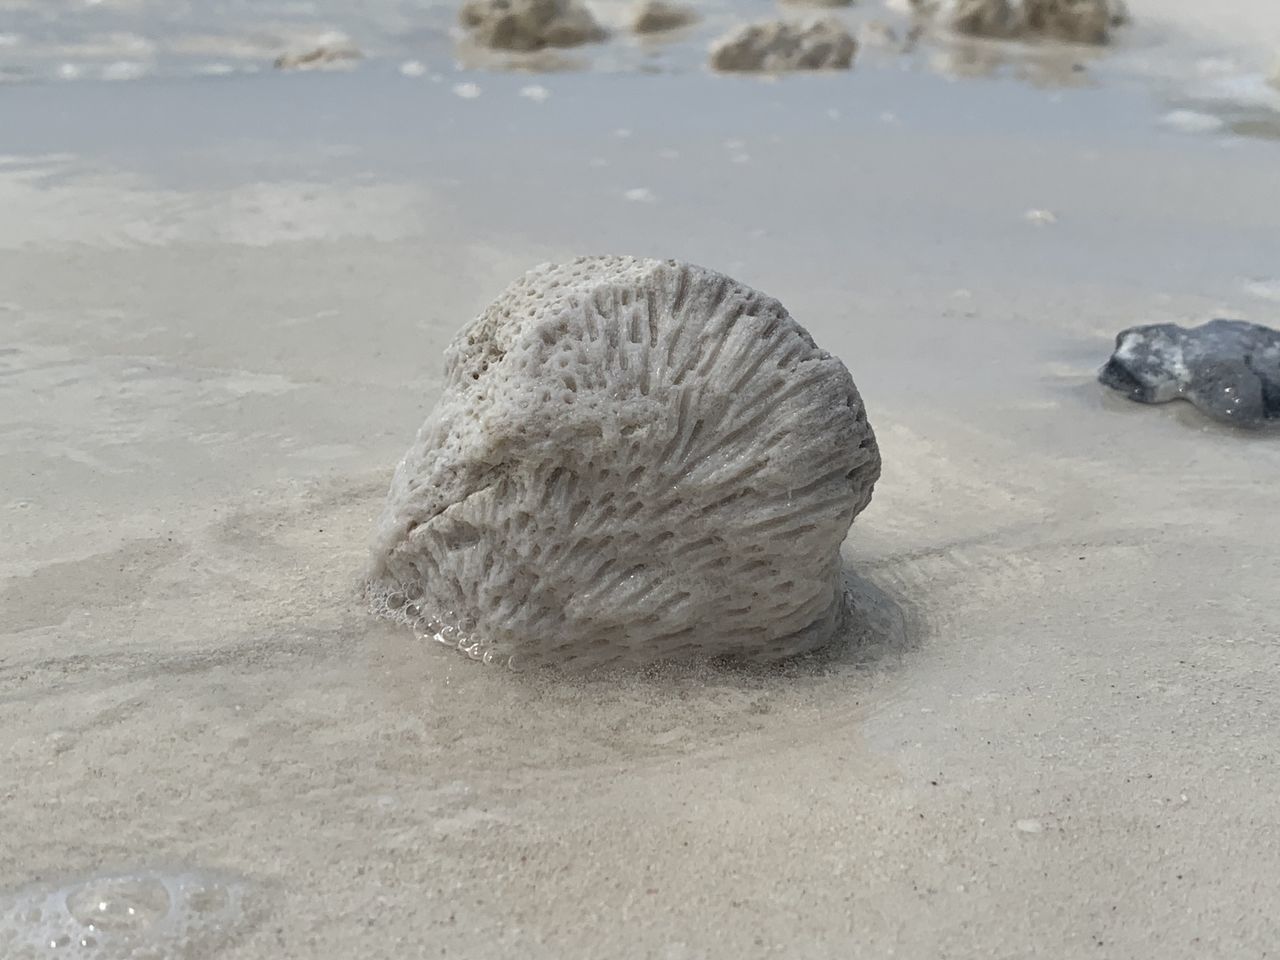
560 719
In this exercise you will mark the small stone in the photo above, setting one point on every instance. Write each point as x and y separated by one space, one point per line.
1229 369
660 16
1029 826
779 46
529 25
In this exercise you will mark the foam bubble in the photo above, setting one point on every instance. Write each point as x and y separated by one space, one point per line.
1191 121
445 628
145 915
125 70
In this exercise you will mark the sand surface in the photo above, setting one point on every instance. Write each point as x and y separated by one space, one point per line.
222 307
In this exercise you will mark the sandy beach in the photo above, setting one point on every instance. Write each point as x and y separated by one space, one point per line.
224 301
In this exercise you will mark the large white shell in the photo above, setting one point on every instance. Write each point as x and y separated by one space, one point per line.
631 460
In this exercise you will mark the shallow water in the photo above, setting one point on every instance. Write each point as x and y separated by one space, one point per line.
1175 52
223 306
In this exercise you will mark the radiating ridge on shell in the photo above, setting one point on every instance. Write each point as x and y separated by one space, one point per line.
631 460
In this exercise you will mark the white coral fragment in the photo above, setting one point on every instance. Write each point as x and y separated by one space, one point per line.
631 460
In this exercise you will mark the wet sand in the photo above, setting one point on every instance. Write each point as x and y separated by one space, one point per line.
224 304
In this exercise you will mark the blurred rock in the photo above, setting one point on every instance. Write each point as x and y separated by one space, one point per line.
659 16
320 58
778 46
526 25
1074 21
877 33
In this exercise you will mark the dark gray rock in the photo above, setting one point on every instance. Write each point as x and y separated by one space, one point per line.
1229 369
